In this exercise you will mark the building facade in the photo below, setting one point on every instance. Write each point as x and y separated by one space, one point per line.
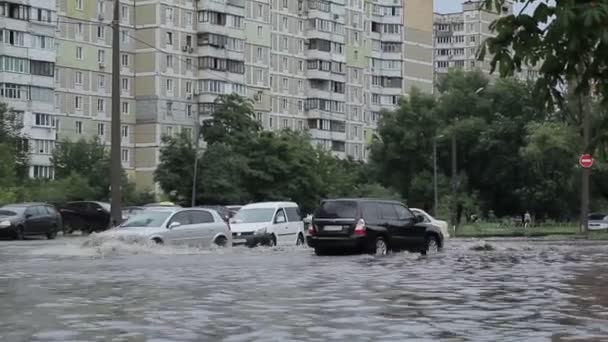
459 36
327 67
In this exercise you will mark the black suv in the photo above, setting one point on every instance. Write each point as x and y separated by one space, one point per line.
29 219
88 217
370 226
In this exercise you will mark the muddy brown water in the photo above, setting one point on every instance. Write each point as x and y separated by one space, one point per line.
521 291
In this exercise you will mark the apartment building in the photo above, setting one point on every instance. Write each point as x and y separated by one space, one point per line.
459 36
326 67
27 67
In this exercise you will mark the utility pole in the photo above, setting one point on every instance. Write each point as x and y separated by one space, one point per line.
435 194
197 134
454 184
115 158
586 174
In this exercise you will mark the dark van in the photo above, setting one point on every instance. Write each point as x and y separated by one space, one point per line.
370 226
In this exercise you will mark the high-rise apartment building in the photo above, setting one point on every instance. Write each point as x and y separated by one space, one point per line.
327 67
27 67
459 36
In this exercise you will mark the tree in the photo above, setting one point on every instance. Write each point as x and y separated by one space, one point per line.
233 121
567 39
175 169
11 135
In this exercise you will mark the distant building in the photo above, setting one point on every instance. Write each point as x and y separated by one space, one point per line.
459 36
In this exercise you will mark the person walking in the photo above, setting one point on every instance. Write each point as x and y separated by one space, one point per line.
527 219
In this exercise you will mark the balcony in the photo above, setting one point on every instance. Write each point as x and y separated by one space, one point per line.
326 134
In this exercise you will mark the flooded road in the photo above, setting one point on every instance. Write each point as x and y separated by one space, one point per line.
521 291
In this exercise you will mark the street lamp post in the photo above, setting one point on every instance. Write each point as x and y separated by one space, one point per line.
435 192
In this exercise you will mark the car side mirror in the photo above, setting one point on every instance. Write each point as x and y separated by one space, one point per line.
280 219
174 224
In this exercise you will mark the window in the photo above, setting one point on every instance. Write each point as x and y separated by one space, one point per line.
124 59
79 55
78 127
169 131
387 211
79 4
260 11
200 216
43 146
124 131
41 171
101 105
259 54
259 31
78 102
124 155
188 64
125 84
403 213
44 120
101 32
125 107
169 38
170 85
78 77
101 129
169 61
189 111
188 87
79 29
169 15
124 13
101 81
293 214
280 216
101 56
189 18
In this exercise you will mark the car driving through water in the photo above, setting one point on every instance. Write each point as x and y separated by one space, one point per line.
268 223
191 226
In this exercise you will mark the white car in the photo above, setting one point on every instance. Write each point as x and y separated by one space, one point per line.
190 226
268 223
430 219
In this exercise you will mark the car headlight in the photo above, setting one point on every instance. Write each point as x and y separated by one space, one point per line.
260 231
5 224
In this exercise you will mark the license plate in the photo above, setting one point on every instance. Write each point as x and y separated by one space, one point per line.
332 228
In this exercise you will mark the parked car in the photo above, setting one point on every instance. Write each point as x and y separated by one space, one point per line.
597 221
234 209
370 226
427 218
29 219
223 211
86 216
268 223
191 226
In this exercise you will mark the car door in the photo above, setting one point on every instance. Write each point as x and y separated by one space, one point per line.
412 233
204 227
181 233
46 219
280 226
32 224
97 216
295 223
390 221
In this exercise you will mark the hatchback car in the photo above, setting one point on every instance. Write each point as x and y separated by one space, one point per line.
29 219
192 226
370 226
86 216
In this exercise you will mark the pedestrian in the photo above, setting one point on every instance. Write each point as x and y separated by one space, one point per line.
527 219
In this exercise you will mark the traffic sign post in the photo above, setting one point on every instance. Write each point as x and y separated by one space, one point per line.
586 161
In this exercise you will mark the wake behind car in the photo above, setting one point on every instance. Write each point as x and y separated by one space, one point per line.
29 219
190 226
370 226
268 223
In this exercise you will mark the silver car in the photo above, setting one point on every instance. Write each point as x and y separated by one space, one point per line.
189 226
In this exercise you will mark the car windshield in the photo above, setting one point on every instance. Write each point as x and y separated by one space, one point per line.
254 215
11 211
597 217
147 219
337 209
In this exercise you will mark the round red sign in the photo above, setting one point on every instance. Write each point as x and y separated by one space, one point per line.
586 161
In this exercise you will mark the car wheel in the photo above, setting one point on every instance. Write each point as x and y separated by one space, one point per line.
157 241
221 241
273 241
19 233
380 247
432 245
52 233
300 241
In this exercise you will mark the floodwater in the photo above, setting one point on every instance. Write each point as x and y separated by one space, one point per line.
521 291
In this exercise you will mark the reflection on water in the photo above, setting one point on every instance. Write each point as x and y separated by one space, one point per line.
521 291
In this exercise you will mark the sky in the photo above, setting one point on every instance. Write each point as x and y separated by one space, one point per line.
446 6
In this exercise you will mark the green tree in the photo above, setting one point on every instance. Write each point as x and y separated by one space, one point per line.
175 169
11 125
233 122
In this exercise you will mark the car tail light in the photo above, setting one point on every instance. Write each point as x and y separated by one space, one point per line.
311 230
360 228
